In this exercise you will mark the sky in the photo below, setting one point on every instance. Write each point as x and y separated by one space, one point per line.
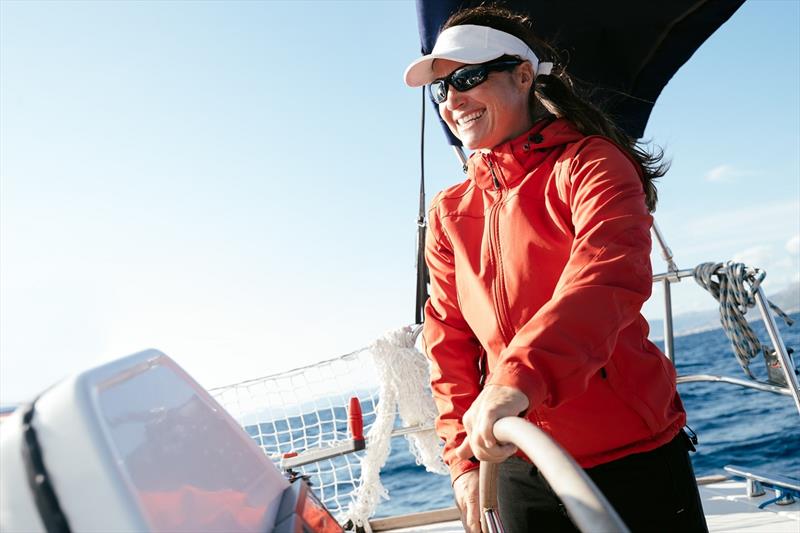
235 184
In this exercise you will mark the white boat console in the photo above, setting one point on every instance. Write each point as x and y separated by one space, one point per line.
138 445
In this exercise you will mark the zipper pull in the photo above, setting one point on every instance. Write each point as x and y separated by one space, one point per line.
494 176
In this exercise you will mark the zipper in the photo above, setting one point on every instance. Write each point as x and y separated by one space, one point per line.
494 176
498 289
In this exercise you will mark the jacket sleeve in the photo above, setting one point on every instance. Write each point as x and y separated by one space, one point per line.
602 288
453 349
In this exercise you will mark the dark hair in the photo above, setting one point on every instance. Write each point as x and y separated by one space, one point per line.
558 94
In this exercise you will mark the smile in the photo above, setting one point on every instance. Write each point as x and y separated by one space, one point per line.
468 119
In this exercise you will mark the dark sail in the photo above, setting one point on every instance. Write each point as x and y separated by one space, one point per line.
627 49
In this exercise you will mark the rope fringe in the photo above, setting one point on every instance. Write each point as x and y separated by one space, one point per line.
403 373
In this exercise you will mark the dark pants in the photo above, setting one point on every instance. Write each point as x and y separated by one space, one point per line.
652 491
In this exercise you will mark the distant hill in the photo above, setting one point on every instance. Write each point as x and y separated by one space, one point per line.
787 299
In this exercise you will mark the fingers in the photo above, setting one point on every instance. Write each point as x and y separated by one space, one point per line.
480 434
483 443
468 501
493 453
469 416
464 451
471 517
491 405
483 431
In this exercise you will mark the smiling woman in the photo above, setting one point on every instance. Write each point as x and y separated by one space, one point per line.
453 63
539 266
486 113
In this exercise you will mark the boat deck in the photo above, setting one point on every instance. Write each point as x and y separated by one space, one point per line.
727 508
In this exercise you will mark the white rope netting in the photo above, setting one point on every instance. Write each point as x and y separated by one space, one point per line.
307 408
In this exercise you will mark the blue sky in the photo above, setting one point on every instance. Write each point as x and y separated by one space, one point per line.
235 184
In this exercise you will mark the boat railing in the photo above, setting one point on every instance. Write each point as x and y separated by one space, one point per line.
673 275
786 489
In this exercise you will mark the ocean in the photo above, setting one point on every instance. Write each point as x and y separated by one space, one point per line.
734 425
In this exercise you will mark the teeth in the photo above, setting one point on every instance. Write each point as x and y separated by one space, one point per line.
469 118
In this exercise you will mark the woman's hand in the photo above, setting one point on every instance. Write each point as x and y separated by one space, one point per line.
468 501
493 403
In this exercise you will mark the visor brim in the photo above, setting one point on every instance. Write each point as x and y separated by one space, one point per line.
420 72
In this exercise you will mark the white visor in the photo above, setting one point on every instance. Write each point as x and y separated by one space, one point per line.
471 44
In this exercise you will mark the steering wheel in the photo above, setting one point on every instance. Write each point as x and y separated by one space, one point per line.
586 506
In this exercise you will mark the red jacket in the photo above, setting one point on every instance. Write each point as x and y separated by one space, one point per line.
540 262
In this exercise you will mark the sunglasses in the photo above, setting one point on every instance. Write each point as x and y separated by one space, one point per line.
468 77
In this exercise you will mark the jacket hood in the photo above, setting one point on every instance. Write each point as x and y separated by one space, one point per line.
522 154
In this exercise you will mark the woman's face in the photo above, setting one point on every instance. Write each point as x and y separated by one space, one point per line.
490 113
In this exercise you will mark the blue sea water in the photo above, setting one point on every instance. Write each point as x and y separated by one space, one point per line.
734 425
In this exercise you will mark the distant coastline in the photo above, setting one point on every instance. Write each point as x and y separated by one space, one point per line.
683 324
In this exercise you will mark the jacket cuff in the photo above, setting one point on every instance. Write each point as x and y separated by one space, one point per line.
459 467
521 377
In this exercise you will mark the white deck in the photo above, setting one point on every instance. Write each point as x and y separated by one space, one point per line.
727 508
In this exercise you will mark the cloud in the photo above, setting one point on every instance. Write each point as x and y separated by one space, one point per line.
761 220
793 245
725 173
756 256
781 269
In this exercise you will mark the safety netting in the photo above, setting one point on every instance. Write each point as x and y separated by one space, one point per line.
306 408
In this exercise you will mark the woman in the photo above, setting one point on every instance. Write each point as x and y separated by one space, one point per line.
540 264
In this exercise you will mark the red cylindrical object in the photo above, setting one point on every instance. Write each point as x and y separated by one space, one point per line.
356 419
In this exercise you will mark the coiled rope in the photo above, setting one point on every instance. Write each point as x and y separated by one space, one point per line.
735 298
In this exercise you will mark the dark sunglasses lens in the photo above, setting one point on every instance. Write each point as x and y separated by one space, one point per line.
439 91
468 77
465 79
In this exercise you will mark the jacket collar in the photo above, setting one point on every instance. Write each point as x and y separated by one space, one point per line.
517 157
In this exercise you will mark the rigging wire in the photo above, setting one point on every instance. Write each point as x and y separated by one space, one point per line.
422 269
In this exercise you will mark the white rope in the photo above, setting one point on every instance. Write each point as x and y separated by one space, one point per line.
735 298
403 373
